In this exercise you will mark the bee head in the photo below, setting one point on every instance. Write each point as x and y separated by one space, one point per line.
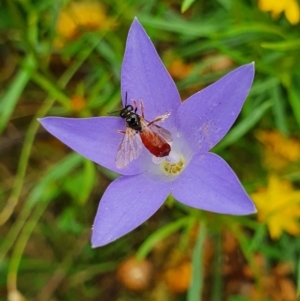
125 111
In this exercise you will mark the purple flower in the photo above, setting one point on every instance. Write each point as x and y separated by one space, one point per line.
194 176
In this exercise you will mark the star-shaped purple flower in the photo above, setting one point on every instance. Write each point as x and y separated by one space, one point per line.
194 176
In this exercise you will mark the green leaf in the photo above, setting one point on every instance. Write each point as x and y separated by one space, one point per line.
56 173
258 237
84 179
12 95
67 222
282 46
186 5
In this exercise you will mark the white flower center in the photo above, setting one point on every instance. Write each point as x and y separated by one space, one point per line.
171 165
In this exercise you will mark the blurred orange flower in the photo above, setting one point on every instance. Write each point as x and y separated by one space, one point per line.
179 69
278 205
78 102
279 150
276 7
179 277
78 17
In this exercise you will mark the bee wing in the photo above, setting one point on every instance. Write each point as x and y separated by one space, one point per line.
129 149
161 132
165 134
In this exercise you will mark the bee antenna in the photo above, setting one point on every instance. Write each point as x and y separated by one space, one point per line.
110 113
126 99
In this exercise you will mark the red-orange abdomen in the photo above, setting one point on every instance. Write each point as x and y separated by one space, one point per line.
155 144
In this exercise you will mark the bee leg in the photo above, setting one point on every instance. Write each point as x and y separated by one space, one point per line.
142 108
135 105
159 118
121 132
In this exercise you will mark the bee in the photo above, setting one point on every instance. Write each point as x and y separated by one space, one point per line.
141 132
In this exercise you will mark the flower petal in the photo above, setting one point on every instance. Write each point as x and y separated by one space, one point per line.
209 183
206 117
127 203
96 139
145 77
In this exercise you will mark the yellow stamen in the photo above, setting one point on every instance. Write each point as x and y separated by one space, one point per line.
171 168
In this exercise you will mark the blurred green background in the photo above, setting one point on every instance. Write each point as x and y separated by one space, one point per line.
63 58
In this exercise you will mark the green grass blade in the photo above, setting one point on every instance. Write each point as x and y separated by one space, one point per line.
195 289
283 46
160 234
11 97
207 27
279 110
186 5
293 96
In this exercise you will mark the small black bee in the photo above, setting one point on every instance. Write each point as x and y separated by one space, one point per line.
132 119
141 132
